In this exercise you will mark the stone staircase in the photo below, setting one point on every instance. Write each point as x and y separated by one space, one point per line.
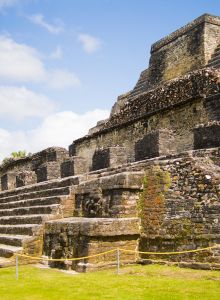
141 86
24 211
215 58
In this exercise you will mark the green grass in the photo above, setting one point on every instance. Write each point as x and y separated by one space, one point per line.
134 283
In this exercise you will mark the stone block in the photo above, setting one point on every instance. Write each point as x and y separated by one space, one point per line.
111 196
8 181
184 50
56 154
26 178
73 166
207 136
212 105
75 237
48 171
109 157
52 154
154 144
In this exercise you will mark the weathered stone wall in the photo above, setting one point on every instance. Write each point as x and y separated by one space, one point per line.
112 196
211 38
41 166
8 181
207 136
154 144
197 84
180 206
78 237
109 157
48 171
73 166
51 154
189 48
177 199
179 56
16 165
25 178
178 106
212 105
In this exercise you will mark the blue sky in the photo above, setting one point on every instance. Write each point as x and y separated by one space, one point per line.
63 63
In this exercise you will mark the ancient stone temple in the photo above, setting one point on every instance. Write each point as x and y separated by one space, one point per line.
147 178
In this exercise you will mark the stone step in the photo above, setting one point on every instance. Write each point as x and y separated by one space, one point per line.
47 185
216 66
214 59
38 194
43 209
140 82
139 86
216 53
138 90
136 93
213 106
22 229
28 219
8 251
14 240
5 262
213 63
31 202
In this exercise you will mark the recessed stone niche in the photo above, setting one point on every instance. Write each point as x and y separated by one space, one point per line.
155 143
8 181
109 157
207 136
48 171
73 166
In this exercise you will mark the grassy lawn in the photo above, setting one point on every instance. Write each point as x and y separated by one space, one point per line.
134 283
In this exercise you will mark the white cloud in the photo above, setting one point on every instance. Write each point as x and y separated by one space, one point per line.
38 19
19 102
61 128
57 53
12 141
58 129
22 63
59 79
90 44
19 62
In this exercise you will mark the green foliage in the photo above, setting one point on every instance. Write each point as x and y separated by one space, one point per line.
19 154
14 155
134 282
6 160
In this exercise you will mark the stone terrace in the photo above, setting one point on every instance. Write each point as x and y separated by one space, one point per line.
23 212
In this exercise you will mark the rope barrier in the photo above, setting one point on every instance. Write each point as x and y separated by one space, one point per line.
65 259
118 250
113 250
170 253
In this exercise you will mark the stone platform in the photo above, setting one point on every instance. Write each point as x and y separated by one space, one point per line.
80 237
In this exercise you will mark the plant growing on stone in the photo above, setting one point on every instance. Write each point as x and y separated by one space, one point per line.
19 154
14 155
156 183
